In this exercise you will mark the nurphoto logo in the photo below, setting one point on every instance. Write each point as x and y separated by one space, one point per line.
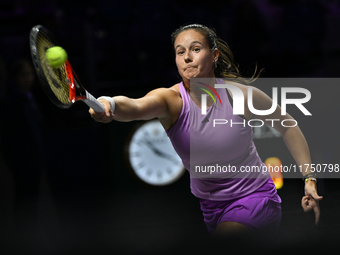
238 104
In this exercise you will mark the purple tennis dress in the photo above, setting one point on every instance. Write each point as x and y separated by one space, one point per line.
247 197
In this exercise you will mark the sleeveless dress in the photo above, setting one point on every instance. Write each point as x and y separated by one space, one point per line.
208 150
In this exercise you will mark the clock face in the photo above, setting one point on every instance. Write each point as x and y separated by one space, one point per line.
152 156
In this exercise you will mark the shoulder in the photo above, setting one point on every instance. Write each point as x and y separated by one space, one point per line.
169 95
176 89
172 97
172 91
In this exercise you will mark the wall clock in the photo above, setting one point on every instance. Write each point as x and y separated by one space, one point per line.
152 157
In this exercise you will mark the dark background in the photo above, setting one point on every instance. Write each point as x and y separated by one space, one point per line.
87 200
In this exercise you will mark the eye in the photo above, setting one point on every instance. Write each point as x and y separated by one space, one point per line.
196 49
180 52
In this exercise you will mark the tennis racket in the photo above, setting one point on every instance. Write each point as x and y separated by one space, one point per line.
61 85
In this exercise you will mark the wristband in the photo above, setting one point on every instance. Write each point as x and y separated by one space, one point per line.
312 179
110 99
310 175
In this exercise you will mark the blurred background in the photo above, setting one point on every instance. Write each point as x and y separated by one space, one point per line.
65 185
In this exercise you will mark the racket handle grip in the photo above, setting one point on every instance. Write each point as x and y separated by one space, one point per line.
92 102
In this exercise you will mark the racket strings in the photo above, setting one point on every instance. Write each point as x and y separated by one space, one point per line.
56 77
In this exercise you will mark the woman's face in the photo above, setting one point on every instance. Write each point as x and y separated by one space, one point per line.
193 56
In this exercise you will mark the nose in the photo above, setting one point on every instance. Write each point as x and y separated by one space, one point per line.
187 57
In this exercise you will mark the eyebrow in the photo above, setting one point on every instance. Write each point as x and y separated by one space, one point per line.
179 45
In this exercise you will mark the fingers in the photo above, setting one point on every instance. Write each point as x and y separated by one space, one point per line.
310 190
317 213
305 204
103 117
315 195
308 203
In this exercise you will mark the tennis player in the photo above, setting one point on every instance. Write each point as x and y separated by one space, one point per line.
230 206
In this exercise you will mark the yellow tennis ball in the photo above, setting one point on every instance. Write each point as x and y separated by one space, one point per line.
56 56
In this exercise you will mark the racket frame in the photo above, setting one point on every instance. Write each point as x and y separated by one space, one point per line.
76 91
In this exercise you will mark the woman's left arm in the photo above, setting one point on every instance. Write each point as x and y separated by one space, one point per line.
296 144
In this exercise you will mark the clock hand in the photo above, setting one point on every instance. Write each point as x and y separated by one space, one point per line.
152 147
158 152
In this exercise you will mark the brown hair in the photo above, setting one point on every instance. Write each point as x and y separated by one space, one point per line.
225 65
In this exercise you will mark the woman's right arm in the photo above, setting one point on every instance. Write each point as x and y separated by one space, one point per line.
152 105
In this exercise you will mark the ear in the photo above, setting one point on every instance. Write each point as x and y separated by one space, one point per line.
216 54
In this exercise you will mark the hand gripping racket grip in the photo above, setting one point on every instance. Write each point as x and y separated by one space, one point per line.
92 102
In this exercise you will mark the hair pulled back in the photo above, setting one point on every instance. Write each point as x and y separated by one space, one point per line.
225 66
